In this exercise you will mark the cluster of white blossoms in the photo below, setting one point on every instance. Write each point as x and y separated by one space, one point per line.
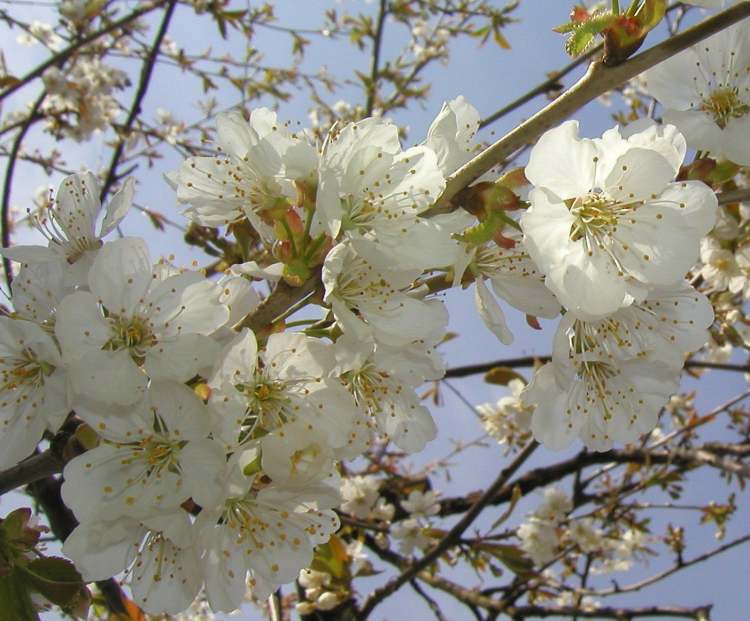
80 100
614 234
550 533
216 467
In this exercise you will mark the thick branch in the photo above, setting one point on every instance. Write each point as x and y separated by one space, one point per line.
62 522
551 84
542 476
31 469
597 81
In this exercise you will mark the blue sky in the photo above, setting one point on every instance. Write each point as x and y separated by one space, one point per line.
488 77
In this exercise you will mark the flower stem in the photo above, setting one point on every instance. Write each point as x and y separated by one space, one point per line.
615 7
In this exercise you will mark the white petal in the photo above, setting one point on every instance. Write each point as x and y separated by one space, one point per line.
563 163
121 275
639 174
118 207
182 358
491 313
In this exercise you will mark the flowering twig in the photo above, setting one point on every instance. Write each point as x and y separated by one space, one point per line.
453 535
63 55
597 81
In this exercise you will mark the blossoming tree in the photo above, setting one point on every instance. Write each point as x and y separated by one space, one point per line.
245 429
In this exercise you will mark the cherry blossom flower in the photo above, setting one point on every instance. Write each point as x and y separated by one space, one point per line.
132 325
606 219
159 553
258 392
150 460
374 303
705 91
383 384
254 173
34 393
268 531
70 225
598 400
372 192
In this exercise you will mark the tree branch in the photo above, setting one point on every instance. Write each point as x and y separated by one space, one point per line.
597 81
63 55
637 586
8 184
62 522
377 43
135 108
530 361
282 298
551 84
451 537
31 469
607 612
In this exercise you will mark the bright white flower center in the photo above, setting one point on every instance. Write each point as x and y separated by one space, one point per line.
371 386
254 532
602 389
494 261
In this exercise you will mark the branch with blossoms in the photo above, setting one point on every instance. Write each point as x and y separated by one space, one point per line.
223 433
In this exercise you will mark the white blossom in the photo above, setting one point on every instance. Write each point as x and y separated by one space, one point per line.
607 219
34 391
133 325
705 91
254 173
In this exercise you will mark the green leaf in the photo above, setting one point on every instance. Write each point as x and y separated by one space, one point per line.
650 14
515 497
510 556
485 231
15 599
583 36
502 376
56 579
332 558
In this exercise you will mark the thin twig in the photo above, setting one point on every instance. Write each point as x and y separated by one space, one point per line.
63 55
135 108
551 84
530 361
451 537
8 184
377 43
